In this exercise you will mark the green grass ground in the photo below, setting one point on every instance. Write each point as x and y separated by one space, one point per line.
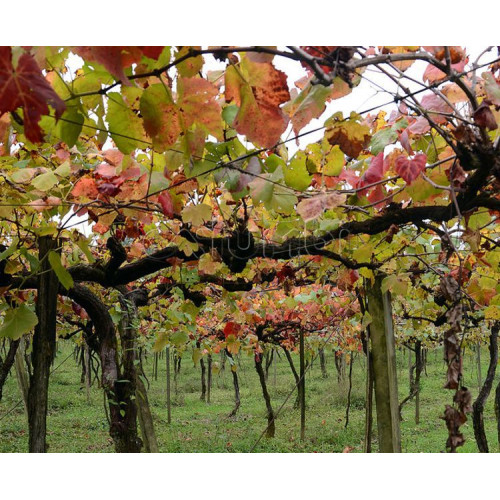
76 426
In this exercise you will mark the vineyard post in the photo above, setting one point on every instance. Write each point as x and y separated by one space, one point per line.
88 374
275 366
44 343
209 377
203 395
479 375
302 391
367 443
384 367
169 402
419 366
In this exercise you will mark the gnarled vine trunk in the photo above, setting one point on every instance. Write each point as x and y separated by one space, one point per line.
340 366
21 373
120 395
130 377
269 359
271 429
145 417
478 406
203 395
349 391
6 365
236 385
415 373
322 362
497 410
295 376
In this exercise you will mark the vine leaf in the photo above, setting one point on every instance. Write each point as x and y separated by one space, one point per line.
26 87
410 168
190 66
167 205
85 188
61 272
17 322
484 117
383 138
396 284
198 105
268 189
309 104
125 127
351 136
45 182
161 119
197 214
259 96
231 328
296 174
334 162
311 208
179 338
436 107
374 172
115 58
492 88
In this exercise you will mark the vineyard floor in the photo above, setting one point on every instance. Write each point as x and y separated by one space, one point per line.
74 425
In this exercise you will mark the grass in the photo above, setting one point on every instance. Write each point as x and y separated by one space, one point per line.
74 425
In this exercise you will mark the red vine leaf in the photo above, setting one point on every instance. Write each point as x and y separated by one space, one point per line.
198 104
86 188
115 59
26 87
259 97
410 168
166 204
231 328
436 107
484 117
374 172
456 52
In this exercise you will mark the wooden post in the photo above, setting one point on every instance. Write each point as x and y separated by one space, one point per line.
367 443
169 400
419 363
88 375
44 343
479 375
410 371
275 365
203 395
155 365
302 391
384 367
209 377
